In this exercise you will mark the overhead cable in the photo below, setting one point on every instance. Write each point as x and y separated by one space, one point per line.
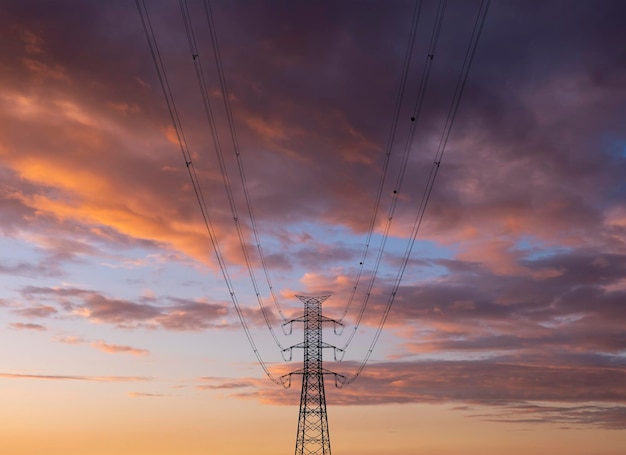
392 134
451 116
173 112
233 134
193 48
417 108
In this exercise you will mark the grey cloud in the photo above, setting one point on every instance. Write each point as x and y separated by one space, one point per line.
169 313
192 315
588 395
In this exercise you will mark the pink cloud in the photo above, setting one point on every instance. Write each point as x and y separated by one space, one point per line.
118 349
27 326
169 313
40 311
71 339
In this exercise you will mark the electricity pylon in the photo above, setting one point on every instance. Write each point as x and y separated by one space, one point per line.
312 437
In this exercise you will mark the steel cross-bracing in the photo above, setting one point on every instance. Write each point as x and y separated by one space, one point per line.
313 437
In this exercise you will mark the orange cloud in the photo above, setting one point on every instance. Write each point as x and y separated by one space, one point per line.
118 349
144 394
71 339
33 43
43 71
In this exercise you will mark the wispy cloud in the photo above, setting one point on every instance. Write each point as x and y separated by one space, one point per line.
27 326
103 346
144 394
56 377
118 349
606 417
38 311
590 393
168 313
71 339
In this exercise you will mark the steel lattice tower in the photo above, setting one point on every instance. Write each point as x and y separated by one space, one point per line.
312 437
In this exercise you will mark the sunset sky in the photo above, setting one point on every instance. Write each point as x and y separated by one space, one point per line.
507 333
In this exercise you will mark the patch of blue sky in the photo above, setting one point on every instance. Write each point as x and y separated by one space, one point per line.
418 273
385 348
422 263
421 266
323 239
534 249
144 274
458 356
323 233
422 249
319 232
11 284
614 145
17 250
21 264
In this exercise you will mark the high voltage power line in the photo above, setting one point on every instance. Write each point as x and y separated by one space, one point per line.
407 149
193 48
233 133
445 135
173 111
458 92
394 125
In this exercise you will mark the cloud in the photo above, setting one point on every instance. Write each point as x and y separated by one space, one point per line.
224 386
56 377
169 313
118 349
489 381
27 326
310 104
192 315
590 394
319 113
144 394
102 309
33 42
30 270
43 71
71 339
103 346
568 417
39 311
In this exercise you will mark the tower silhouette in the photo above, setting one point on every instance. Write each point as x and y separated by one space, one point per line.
312 437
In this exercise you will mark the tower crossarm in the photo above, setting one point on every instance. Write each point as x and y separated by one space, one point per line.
322 371
303 318
323 319
321 345
340 379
